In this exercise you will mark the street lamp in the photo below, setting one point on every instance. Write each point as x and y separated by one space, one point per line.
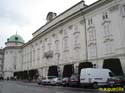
27 71
58 68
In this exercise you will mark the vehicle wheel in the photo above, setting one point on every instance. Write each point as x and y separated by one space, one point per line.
95 85
111 85
64 85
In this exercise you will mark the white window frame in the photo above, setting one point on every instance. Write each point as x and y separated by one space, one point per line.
92 50
57 45
108 47
107 31
91 34
65 42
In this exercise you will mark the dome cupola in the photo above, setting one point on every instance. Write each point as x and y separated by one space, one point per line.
15 38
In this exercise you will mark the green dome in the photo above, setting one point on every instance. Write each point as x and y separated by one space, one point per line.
16 38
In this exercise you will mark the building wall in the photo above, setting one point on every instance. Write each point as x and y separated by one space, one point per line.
93 34
12 61
104 30
1 62
65 42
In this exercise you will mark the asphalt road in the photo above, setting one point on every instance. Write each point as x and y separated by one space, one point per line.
23 87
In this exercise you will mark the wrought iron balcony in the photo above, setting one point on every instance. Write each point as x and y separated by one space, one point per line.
48 54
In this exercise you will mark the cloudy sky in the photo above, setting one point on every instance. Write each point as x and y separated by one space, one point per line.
26 16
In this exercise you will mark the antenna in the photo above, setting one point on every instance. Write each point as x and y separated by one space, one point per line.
16 32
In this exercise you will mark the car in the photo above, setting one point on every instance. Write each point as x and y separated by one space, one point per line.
74 80
46 80
95 77
122 81
56 81
116 81
65 81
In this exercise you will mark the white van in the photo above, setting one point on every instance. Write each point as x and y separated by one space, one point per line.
94 77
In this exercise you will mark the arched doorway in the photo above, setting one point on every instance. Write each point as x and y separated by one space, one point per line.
114 65
53 71
68 70
85 65
32 74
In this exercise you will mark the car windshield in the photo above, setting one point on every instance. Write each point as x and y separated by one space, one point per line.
65 78
74 77
111 74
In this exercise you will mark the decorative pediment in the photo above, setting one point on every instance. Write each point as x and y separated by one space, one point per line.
91 27
106 21
108 39
91 44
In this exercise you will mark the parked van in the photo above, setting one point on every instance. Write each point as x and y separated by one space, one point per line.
94 77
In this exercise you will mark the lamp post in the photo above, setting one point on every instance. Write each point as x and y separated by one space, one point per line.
27 71
58 68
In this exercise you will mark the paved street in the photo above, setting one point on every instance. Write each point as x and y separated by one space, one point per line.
20 87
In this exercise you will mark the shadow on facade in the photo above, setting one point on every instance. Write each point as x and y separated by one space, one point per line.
84 65
26 75
33 74
68 70
53 71
114 65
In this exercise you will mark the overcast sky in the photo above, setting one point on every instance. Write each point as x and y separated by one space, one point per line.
26 16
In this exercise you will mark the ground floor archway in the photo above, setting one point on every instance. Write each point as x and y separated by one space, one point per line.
84 65
68 70
29 75
114 65
53 71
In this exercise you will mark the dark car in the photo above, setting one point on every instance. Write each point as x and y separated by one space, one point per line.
122 81
116 81
65 81
74 81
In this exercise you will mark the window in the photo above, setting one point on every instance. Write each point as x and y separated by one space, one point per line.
108 46
77 53
33 54
77 39
76 27
65 42
49 46
40 41
106 30
65 32
66 55
105 16
90 21
57 45
38 53
43 50
91 35
92 50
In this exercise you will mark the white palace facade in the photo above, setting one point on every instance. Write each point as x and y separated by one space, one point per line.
80 37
